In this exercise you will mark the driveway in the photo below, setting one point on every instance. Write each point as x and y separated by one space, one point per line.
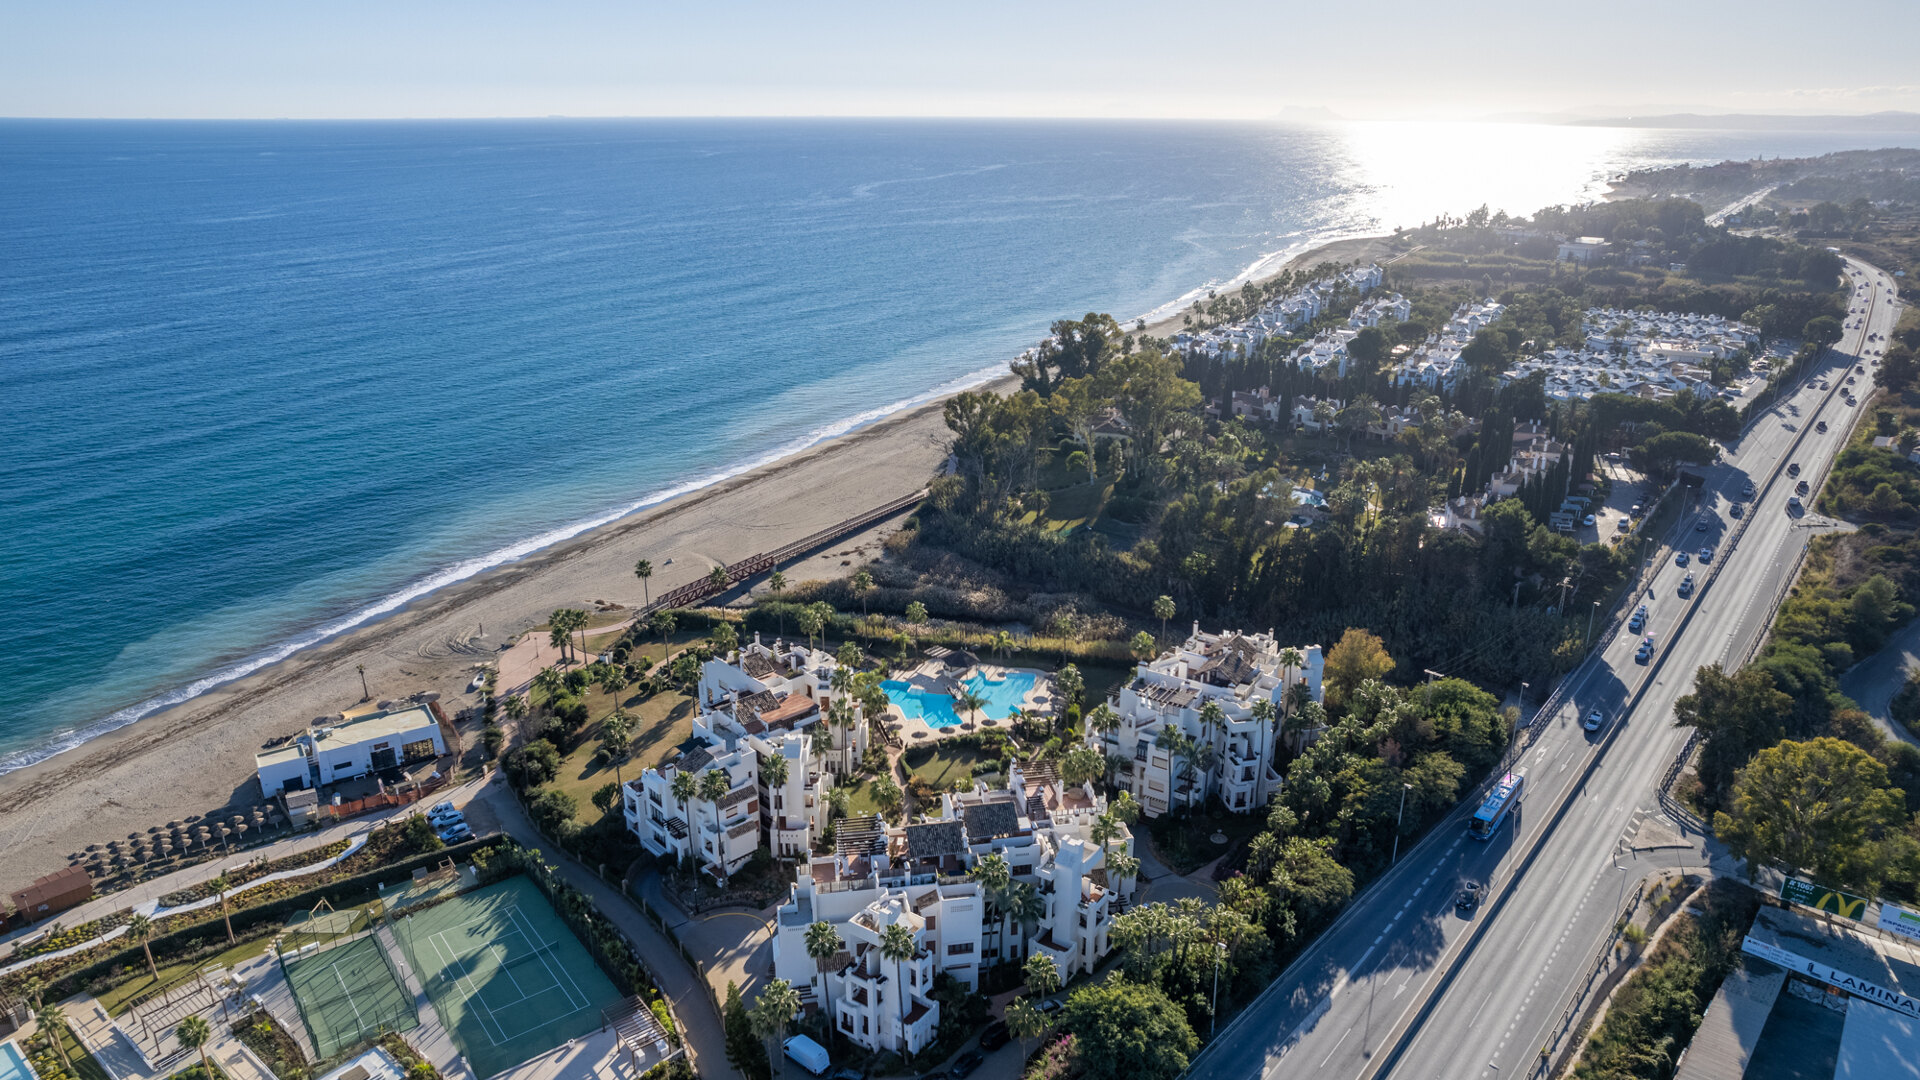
1873 682
734 944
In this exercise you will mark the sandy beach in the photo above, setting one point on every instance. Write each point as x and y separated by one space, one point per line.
198 756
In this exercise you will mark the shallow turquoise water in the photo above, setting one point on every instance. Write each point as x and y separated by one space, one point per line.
13 1064
1002 697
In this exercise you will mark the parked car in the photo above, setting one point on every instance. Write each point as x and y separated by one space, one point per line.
440 819
1589 521
1469 896
1625 524
1049 1007
1595 720
458 834
964 1065
994 1035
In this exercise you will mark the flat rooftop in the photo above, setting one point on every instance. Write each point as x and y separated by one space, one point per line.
380 726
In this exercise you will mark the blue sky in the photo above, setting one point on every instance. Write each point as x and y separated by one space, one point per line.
1229 58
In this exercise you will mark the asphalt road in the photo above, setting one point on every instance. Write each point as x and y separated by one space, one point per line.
1405 985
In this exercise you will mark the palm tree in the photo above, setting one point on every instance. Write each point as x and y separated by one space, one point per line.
779 1003
1143 645
662 623
53 1023
777 584
714 785
969 701
549 682
718 579
685 787
1103 719
823 944
897 944
725 638
1163 610
773 770
644 570
1025 1021
615 732
1042 975
140 929
613 680
1003 644
516 707
220 886
1025 906
195 1032
862 585
811 623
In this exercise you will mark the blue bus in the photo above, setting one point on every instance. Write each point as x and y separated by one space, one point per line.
1504 797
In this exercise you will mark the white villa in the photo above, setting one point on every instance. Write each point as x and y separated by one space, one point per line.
1652 355
916 876
1435 362
1282 316
1179 759
758 704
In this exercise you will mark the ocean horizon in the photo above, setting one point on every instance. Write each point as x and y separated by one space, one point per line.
270 381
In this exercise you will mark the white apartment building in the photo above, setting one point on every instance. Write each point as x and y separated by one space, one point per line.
1233 760
1282 316
916 875
1649 354
1381 309
757 704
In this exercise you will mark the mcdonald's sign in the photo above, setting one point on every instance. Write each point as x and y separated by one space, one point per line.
1821 898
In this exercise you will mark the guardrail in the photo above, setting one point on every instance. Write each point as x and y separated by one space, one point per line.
1577 1000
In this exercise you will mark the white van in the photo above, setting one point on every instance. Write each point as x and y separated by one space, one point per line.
811 1055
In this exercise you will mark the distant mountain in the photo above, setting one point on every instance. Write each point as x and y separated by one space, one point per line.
1871 122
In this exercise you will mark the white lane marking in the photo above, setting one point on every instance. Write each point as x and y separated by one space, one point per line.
1336 1048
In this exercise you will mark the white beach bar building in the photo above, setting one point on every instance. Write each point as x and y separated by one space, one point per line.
1179 759
353 746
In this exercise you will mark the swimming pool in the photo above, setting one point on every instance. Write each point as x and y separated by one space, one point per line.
936 709
13 1063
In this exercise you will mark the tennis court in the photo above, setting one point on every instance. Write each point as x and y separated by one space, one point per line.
348 994
508 978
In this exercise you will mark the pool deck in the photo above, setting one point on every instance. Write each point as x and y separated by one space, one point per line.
936 677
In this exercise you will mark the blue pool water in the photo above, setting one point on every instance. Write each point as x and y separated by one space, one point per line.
13 1064
936 709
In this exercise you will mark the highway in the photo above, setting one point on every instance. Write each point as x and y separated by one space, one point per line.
1405 985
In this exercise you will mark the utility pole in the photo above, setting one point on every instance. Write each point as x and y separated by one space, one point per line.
1213 1020
1402 816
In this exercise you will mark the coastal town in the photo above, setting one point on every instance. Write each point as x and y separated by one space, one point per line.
1178 666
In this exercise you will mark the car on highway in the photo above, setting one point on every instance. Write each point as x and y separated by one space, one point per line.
1700 526
1801 488
1821 427
1793 502
1706 554
1468 897
1686 586
1645 652
1793 469
994 1035
1680 559
1639 620
1737 510
1595 720
1851 400
1849 380
964 1065
1749 490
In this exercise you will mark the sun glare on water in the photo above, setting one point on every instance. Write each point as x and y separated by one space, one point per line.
1407 172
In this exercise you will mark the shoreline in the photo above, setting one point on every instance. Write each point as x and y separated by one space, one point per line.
102 786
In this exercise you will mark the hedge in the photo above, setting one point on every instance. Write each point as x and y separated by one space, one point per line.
343 892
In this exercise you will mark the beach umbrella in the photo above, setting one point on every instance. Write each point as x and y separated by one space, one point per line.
224 833
93 847
173 825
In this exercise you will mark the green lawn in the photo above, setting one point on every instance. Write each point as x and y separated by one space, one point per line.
665 722
942 765
84 1067
115 999
860 800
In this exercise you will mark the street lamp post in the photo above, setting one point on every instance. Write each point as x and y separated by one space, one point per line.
1590 614
1398 818
1219 957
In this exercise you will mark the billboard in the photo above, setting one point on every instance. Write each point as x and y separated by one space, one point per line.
1898 920
1821 898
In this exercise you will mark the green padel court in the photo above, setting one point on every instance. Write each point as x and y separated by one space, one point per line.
509 979
348 994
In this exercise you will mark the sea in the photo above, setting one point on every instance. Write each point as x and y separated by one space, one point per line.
263 382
